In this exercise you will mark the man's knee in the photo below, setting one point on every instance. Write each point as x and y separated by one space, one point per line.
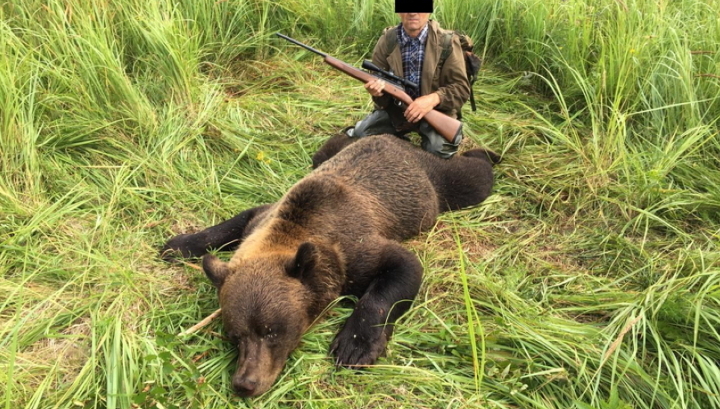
436 144
376 123
445 150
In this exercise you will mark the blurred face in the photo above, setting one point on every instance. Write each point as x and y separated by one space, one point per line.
413 23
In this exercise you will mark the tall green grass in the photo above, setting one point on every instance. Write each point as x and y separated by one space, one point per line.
589 279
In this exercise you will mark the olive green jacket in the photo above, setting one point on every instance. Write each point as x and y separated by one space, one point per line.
449 81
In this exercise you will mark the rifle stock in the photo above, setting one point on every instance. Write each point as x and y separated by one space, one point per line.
446 126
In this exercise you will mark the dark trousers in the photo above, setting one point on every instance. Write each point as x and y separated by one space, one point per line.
379 122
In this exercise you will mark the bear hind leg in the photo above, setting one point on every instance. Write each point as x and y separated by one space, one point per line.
484 154
465 180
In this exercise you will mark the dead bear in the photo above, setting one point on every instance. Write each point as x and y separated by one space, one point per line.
335 232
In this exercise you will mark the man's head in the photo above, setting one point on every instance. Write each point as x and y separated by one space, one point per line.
413 6
413 23
414 14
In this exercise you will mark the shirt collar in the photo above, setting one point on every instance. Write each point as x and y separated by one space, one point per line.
422 37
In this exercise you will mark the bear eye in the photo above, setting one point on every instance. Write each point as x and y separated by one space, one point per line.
270 332
235 338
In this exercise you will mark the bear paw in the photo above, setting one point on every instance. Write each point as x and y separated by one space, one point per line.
182 246
356 347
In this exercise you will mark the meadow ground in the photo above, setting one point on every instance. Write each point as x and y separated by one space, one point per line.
589 279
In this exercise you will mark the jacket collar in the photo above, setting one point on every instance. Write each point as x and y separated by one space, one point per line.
405 37
432 57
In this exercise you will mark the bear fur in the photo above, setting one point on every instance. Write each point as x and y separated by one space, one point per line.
335 232
331 147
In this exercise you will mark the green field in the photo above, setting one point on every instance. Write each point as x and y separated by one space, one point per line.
590 279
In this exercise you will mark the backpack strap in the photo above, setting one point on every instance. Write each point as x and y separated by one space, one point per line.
446 47
391 38
446 51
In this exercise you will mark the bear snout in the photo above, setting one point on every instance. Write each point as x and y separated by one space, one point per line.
258 366
245 386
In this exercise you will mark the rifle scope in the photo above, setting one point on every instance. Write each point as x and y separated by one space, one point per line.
368 65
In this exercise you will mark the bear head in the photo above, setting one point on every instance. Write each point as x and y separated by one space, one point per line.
267 304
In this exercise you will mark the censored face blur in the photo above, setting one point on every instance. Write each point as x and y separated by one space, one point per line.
414 22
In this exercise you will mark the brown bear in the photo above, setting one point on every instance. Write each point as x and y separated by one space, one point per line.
335 232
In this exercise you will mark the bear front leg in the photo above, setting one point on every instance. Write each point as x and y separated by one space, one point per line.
396 282
226 234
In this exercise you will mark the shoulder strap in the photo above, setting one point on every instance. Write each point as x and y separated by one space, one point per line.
446 47
446 51
390 34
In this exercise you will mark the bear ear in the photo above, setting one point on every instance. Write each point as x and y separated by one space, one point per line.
215 269
303 263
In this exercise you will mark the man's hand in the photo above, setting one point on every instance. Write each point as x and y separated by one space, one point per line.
375 87
421 106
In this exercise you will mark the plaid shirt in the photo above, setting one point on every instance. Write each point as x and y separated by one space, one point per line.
413 54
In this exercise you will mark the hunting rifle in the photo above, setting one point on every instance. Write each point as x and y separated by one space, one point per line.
446 126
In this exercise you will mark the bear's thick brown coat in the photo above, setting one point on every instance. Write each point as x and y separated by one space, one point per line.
337 231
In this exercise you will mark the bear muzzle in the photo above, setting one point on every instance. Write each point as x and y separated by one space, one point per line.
258 366
245 386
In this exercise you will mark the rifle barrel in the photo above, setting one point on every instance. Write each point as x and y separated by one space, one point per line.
305 46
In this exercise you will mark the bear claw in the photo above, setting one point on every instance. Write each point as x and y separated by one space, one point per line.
354 351
182 246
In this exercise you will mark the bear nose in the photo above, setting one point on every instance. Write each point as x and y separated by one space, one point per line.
244 386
